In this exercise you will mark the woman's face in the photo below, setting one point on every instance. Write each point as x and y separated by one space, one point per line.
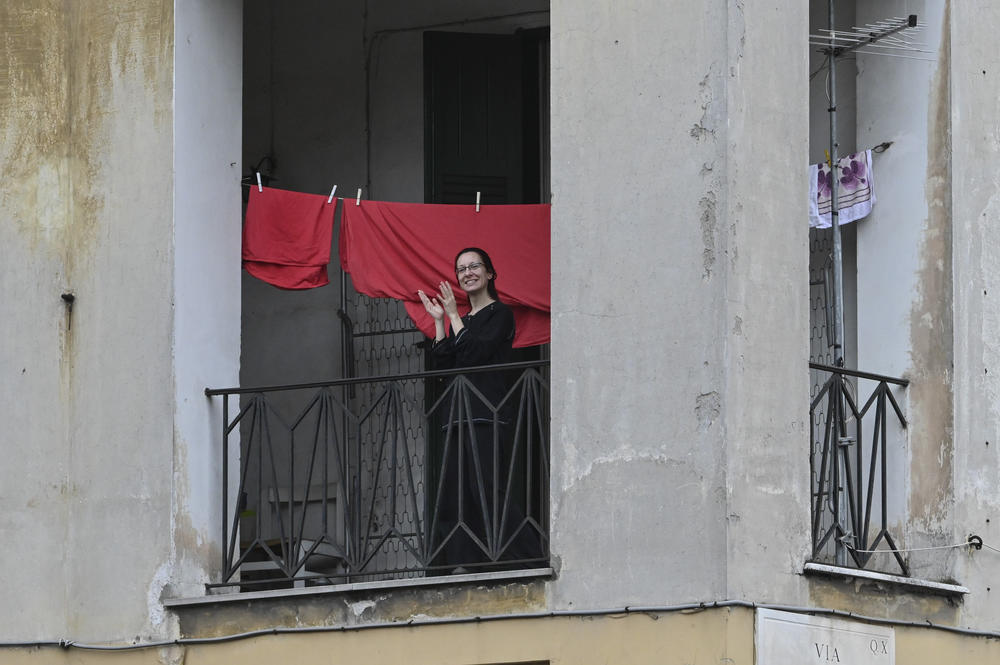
471 272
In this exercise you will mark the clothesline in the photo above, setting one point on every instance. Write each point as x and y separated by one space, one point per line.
393 249
260 188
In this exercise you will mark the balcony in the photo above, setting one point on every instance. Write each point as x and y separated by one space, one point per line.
856 469
384 478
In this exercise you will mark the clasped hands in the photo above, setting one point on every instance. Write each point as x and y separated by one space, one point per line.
440 304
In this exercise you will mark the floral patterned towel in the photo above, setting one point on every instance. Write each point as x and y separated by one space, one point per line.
855 190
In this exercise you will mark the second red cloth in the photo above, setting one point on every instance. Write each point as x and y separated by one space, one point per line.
393 249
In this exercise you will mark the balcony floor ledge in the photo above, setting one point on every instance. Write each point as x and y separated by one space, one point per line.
228 597
912 583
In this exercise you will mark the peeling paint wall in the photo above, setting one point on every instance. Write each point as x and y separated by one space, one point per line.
206 284
878 599
722 635
904 275
636 247
87 112
719 636
931 332
35 210
95 396
679 470
766 399
675 255
359 608
975 206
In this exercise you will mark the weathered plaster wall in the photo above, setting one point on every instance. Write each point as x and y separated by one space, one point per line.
114 191
878 599
723 635
357 608
35 232
121 424
766 399
87 209
638 271
206 286
975 206
678 257
904 272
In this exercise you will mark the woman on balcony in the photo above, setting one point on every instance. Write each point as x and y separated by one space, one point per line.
468 516
485 335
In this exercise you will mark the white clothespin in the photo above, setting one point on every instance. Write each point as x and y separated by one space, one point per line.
477 201
260 187
332 192
358 201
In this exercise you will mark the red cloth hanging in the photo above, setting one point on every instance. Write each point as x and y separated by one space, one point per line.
287 237
393 249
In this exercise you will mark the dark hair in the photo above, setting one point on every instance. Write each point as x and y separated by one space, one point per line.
491 287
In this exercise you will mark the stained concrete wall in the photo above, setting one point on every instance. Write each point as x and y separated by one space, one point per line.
766 257
974 112
605 139
87 396
678 447
36 228
95 491
206 284
723 635
924 308
685 266
664 639
904 299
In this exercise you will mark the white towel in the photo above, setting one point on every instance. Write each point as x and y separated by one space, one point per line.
855 190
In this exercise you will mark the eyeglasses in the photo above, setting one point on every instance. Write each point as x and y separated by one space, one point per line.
472 266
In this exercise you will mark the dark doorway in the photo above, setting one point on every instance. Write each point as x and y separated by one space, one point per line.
484 117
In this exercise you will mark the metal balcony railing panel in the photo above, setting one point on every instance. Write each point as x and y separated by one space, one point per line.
852 467
387 477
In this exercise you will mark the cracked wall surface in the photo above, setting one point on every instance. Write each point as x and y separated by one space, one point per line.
905 314
106 457
975 206
679 314
684 416
87 108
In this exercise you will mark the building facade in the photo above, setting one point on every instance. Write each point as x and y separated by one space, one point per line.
697 507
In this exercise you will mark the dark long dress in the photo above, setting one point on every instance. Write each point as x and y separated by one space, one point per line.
486 339
476 451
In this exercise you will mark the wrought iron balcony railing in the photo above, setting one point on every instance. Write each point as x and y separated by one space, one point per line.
857 486
387 477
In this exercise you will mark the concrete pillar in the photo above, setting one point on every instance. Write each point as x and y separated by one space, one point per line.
122 190
904 272
974 64
679 289
207 231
